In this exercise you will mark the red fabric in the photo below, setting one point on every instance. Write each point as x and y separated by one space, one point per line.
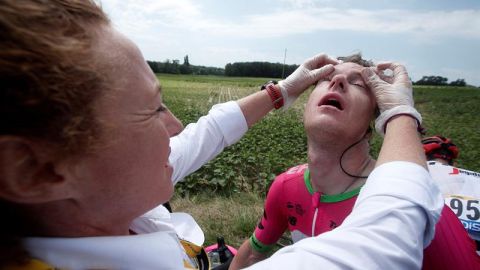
451 248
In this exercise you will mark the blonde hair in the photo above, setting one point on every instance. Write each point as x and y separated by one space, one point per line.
48 81
48 85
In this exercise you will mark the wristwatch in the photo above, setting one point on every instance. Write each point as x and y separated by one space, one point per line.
274 93
264 86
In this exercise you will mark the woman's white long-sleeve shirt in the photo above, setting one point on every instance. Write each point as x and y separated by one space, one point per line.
392 221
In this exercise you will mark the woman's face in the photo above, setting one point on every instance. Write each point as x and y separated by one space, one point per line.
130 173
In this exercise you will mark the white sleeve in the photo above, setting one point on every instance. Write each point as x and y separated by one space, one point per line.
393 220
200 142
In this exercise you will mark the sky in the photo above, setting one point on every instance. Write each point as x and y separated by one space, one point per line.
429 37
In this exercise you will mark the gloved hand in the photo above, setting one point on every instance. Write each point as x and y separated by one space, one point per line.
311 71
393 93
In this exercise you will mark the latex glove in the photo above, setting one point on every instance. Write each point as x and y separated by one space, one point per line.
393 93
311 71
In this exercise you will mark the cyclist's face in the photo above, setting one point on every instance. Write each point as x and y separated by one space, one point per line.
341 102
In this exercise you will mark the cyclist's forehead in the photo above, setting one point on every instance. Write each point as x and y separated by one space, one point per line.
348 69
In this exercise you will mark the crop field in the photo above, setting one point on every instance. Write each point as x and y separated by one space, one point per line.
240 176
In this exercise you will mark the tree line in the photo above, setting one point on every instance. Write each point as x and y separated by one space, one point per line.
439 80
174 67
239 69
261 69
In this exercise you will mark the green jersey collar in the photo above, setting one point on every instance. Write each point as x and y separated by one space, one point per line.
329 198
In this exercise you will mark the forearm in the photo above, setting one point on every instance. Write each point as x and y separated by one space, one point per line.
246 256
200 142
402 142
224 125
255 106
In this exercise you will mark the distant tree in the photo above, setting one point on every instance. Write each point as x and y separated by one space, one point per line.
167 66
174 67
432 80
202 70
171 67
185 67
458 82
154 66
229 70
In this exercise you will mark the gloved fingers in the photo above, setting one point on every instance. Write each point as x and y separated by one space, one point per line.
332 61
381 68
319 60
388 78
384 65
373 81
400 75
320 73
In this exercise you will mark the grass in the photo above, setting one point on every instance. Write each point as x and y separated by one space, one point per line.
226 196
234 217
455 113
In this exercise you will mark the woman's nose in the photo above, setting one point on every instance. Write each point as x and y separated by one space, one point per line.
174 125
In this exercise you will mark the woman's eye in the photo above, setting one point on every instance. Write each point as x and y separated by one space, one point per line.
161 108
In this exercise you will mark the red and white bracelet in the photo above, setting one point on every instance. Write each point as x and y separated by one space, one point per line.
274 93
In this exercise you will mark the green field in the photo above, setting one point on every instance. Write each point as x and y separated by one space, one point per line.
241 175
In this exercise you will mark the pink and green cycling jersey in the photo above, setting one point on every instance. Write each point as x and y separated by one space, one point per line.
293 204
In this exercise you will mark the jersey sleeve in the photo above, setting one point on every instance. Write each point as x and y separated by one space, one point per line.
273 222
451 248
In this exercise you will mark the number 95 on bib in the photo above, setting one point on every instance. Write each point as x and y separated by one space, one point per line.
467 210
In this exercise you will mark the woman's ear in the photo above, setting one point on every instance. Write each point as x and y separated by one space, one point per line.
27 173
